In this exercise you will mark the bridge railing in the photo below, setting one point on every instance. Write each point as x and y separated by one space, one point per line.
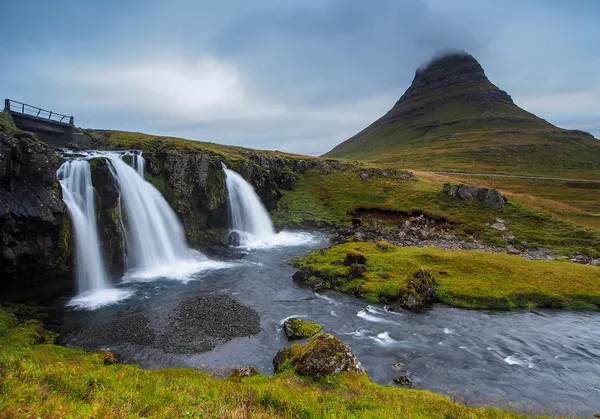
24 108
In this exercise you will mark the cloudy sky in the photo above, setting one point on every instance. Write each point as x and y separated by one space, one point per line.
298 76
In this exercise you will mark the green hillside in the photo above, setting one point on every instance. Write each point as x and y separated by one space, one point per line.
452 118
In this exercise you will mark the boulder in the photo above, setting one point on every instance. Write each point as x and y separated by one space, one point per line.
322 355
234 239
300 329
357 270
243 372
490 196
354 256
420 291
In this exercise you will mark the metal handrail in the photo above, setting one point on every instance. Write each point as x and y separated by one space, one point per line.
25 109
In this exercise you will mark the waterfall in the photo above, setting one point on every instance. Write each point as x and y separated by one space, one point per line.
247 214
155 237
78 194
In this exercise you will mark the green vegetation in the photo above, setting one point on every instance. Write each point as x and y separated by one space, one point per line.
466 279
41 379
154 143
302 329
569 200
329 199
7 125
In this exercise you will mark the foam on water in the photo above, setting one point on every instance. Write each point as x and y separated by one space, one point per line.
384 339
92 300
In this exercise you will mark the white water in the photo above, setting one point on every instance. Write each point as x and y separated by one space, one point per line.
78 194
246 213
249 217
155 237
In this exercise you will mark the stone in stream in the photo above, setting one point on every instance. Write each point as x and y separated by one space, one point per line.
322 355
234 239
300 329
403 380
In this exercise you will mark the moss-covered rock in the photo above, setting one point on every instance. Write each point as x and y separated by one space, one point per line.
322 355
300 329
420 291
354 256
243 372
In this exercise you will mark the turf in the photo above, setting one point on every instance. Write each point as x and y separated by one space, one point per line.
467 279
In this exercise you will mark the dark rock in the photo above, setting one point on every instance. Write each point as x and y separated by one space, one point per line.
357 270
108 211
35 234
354 256
300 329
492 197
403 380
420 291
234 239
322 355
300 277
356 222
243 372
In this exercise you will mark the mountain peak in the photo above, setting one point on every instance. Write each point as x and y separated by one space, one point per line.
454 70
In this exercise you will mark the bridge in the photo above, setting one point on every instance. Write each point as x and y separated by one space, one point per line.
54 129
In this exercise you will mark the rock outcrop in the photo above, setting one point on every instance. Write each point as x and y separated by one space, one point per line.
34 225
490 196
323 355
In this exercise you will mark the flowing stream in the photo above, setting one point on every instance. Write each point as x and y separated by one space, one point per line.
535 361
541 361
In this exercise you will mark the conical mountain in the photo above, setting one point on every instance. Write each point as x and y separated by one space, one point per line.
453 118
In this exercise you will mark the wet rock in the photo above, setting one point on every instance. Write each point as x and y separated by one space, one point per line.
403 380
243 372
234 239
357 270
35 239
322 355
398 365
354 256
420 291
296 328
356 222
300 277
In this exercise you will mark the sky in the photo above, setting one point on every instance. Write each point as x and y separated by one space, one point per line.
296 76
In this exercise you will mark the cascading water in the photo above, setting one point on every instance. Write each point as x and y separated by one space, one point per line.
78 194
246 213
249 222
155 237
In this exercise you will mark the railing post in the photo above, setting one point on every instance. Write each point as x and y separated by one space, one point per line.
71 121
7 105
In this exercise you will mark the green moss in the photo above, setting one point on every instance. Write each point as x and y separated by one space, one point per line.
304 329
41 379
467 279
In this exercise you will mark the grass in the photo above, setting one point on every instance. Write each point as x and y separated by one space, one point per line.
7 125
468 279
569 200
328 199
41 379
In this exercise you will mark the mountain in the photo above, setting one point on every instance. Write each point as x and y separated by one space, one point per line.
453 118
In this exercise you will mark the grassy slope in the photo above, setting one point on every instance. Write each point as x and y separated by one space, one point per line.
329 198
473 137
467 279
572 201
50 381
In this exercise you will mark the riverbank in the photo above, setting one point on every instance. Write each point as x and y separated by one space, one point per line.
383 273
43 379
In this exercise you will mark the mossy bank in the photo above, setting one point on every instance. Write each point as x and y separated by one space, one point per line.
468 279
